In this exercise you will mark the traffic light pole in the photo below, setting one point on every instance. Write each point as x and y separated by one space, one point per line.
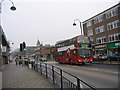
1 62
22 50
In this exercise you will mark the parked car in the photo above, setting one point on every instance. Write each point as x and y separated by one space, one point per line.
113 56
100 57
104 57
43 59
96 56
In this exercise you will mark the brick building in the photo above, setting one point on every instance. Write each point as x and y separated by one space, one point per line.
44 51
103 30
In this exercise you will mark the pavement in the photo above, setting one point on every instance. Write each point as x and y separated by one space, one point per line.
23 77
0 80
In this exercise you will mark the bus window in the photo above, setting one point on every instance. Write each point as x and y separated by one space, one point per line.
85 53
75 52
61 54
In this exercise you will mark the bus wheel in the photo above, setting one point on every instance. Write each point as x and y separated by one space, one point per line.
70 61
83 63
59 61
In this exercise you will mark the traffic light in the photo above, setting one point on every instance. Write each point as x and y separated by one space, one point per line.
21 47
24 45
52 50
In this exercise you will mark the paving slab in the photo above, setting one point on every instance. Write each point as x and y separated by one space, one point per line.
23 77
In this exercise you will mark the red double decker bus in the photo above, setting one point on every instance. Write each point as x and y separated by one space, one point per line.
74 50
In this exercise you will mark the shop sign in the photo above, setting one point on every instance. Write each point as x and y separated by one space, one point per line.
113 45
117 44
101 46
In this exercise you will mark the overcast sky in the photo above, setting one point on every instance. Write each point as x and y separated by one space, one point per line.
47 20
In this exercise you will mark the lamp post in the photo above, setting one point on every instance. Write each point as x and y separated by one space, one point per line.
74 24
9 51
13 8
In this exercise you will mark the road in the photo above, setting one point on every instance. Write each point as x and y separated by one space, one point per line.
99 75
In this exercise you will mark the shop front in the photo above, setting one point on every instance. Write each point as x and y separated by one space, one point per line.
100 49
114 48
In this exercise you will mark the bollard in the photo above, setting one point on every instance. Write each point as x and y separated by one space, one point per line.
46 69
53 74
40 68
61 79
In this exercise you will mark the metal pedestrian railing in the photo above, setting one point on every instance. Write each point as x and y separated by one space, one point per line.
62 78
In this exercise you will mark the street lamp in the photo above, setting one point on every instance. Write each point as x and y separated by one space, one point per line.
74 24
13 8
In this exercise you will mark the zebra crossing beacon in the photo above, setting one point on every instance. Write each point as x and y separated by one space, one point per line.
75 50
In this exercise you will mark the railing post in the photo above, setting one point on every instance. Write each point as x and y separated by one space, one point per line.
61 79
46 69
78 84
36 67
53 74
40 68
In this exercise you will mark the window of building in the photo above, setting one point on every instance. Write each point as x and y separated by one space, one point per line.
99 29
112 13
101 40
98 19
89 24
113 25
91 39
89 31
114 37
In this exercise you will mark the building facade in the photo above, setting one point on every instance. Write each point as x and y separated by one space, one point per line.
46 51
103 30
4 49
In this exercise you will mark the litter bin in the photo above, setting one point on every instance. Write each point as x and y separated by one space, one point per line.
30 65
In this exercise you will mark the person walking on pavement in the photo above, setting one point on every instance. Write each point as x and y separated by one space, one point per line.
19 61
16 60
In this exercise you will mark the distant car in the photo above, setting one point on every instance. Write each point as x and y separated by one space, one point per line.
104 57
100 57
97 57
43 59
113 56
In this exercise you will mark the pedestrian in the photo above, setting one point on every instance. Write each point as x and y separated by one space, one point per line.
19 61
16 60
